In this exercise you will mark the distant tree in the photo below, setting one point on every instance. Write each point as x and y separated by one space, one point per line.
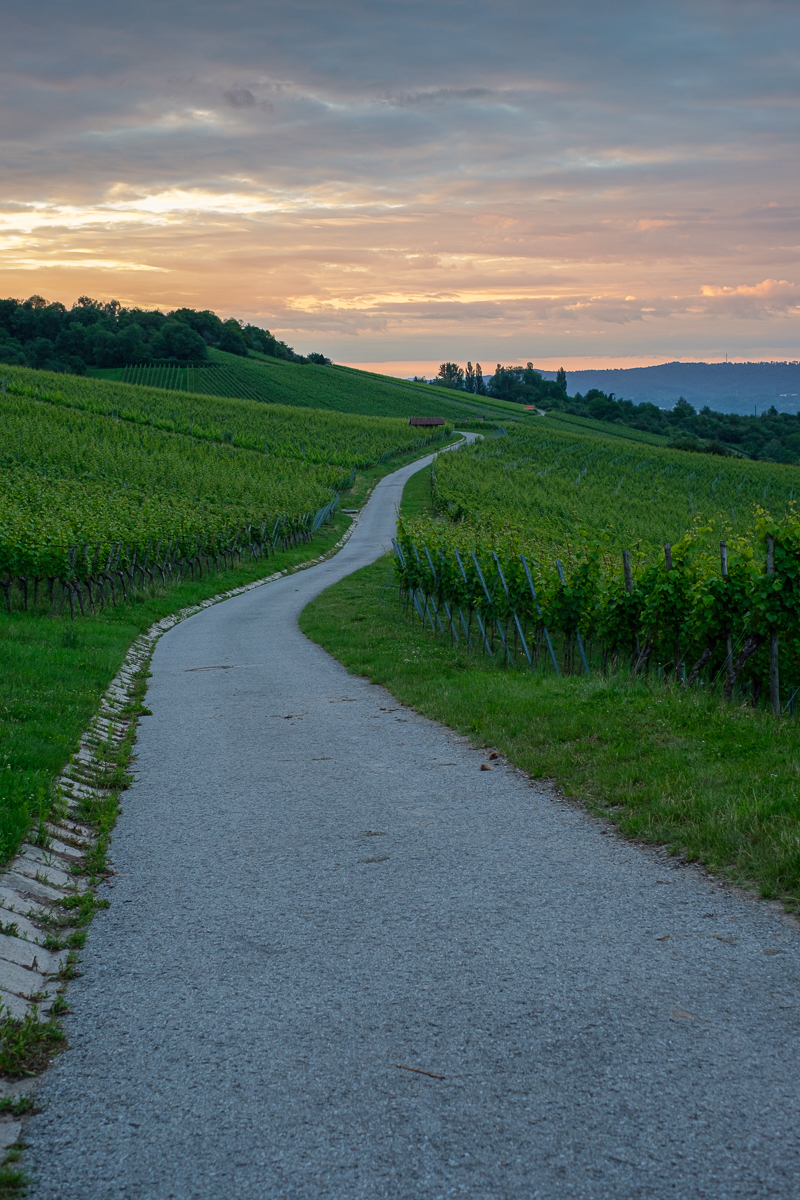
206 323
469 378
450 375
177 340
480 386
232 339
683 409
561 378
319 359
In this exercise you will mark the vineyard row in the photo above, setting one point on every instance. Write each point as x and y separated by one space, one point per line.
94 576
694 613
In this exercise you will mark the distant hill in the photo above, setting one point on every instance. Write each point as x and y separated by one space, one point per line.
724 387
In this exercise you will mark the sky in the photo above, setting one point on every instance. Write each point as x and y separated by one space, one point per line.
607 183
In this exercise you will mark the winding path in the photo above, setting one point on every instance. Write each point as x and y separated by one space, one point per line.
316 885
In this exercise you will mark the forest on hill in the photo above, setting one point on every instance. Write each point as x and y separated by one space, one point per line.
51 337
740 387
770 436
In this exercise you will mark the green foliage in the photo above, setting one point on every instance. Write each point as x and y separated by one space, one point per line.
104 336
525 385
522 501
770 437
91 467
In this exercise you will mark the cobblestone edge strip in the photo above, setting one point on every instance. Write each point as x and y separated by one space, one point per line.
32 885
32 976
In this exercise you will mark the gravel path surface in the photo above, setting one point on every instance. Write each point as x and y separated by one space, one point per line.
316 885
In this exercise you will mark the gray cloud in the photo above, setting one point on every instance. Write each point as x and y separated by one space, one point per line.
483 150
240 98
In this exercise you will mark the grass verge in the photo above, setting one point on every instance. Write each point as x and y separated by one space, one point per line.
55 671
713 782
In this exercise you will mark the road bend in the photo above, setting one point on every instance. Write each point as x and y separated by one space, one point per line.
341 961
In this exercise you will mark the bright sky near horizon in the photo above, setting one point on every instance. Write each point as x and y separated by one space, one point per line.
402 183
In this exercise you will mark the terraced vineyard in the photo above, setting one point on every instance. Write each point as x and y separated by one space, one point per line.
551 486
278 430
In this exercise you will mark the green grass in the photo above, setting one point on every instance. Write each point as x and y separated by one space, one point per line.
417 500
718 784
55 671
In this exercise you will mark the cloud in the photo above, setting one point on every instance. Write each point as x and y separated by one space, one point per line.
572 175
770 297
240 98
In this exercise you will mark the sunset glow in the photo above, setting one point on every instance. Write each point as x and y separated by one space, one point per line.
403 184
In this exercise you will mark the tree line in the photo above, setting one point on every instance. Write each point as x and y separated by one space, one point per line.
768 437
519 385
51 337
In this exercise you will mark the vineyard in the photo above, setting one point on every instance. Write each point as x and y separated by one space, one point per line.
279 431
102 485
565 553
335 388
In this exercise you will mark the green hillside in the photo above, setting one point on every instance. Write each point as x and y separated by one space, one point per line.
551 484
339 389
95 471
315 435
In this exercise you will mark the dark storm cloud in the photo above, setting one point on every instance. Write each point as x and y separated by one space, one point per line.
369 155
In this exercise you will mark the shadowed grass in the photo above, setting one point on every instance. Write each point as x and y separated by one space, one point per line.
714 782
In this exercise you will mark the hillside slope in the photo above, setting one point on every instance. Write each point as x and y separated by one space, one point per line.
307 385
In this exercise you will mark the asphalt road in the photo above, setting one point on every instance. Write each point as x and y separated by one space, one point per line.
315 885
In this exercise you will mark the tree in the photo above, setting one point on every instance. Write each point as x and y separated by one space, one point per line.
683 409
176 340
450 375
561 378
480 386
232 340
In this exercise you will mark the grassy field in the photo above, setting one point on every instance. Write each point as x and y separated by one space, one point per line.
716 783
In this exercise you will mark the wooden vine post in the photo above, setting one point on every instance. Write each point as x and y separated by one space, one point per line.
677 645
723 562
774 680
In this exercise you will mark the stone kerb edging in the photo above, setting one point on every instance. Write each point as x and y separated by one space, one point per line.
34 882
38 878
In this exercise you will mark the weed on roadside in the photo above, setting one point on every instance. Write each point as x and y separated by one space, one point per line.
28 1044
